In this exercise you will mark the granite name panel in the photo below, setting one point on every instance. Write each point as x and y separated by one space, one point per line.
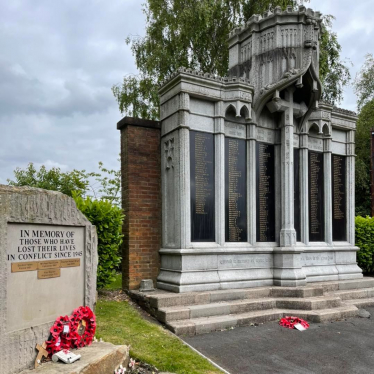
235 190
316 197
339 203
265 193
297 207
202 187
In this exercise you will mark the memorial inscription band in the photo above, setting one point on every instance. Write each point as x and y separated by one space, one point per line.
339 204
265 194
235 190
316 197
202 187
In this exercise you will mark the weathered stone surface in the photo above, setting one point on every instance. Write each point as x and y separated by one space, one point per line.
221 310
97 358
28 304
362 313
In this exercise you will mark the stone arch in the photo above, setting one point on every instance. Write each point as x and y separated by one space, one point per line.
245 112
314 128
326 130
230 112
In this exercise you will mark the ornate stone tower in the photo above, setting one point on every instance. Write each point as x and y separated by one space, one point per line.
257 173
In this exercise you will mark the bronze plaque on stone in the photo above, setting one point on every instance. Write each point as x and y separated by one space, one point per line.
48 265
49 273
265 196
23 266
235 190
202 187
339 216
70 263
316 198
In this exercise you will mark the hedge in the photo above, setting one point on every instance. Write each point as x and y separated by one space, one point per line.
108 221
365 241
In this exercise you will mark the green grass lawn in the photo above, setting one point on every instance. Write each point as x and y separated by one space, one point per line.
119 323
116 284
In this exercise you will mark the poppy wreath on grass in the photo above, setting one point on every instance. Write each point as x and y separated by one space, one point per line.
76 331
290 322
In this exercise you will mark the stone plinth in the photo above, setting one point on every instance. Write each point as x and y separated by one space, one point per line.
97 358
48 263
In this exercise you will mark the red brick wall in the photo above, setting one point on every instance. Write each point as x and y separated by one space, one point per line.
141 200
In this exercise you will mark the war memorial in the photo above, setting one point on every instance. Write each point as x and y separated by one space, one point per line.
239 202
257 173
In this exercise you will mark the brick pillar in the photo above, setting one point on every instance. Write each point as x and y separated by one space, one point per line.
141 200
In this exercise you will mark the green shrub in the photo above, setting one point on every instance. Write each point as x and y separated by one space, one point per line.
108 221
365 241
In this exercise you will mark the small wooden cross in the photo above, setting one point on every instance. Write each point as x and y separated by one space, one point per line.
42 353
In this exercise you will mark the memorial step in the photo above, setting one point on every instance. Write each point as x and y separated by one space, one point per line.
363 293
367 282
204 325
169 314
162 299
360 303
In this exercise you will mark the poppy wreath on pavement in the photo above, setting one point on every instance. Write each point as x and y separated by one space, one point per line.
290 322
75 331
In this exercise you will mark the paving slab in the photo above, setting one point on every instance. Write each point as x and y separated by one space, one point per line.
342 347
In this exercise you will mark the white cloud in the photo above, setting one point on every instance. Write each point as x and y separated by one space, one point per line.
60 59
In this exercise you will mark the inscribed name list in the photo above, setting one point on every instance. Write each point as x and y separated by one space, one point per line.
235 190
265 221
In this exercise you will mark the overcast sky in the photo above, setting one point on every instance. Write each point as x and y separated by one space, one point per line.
59 60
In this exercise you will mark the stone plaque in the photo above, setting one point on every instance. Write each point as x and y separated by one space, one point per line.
235 190
265 196
297 207
316 197
339 216
202 187
35 255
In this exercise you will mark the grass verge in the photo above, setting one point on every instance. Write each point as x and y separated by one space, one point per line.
119 323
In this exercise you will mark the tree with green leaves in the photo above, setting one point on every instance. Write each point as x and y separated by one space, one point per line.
364 82
364 87
53 179
194 34
105 185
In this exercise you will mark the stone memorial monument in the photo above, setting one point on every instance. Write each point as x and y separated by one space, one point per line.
257 173
48 263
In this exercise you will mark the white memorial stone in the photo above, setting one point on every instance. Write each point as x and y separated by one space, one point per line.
48 263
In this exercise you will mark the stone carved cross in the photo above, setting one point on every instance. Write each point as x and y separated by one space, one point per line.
169 153
42 352
289 110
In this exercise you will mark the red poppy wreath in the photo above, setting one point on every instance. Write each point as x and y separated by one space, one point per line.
76 331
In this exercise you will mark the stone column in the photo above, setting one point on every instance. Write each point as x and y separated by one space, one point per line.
278 185
251 181
184 154
304 198
327 188
350 182
219 141
288 233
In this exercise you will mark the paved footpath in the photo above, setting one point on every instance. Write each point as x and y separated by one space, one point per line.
344 347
